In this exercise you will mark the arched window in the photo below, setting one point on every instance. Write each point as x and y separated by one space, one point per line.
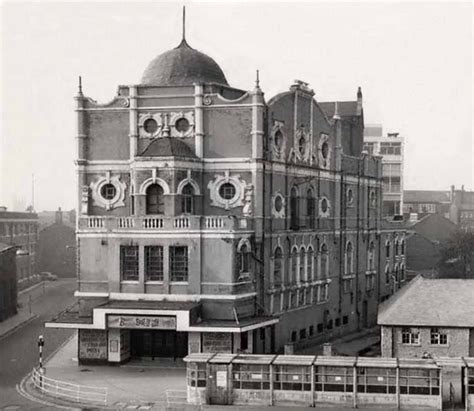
277 266
348 268
387 274
402 273
244 260
324 262
294 266
187 199
309 264
396 247
371 257
402 246
387 249
294 209
154 200
310 208
302 262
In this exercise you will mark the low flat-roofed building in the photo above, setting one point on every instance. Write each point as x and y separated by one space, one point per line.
429 318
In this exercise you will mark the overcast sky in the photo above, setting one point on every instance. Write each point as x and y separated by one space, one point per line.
412 60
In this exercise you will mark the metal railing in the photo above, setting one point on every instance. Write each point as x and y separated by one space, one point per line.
71 392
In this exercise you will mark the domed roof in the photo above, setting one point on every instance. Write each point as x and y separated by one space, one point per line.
183 66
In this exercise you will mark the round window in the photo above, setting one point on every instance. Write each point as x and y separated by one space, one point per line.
278 139
324 205
182 125
278 203
325 150
150 125
227 191
108 191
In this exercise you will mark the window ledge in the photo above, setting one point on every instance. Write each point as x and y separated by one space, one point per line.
129 282
370 272
348 276
179 282
153 282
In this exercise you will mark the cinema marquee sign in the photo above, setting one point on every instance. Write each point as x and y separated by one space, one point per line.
147 322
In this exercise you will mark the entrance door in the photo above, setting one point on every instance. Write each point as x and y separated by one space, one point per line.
158 343
218 384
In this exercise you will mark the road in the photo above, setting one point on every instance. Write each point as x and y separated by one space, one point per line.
19 350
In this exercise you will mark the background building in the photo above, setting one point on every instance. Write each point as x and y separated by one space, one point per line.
57 247
21 230
210 219
390 147
8 286
457 205
429 318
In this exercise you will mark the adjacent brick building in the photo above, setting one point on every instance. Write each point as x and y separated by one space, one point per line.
212 219
429 318
8 286
20 229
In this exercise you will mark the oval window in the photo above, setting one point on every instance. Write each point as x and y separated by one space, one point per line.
227 191
324 205
150 125
108 191
278 203
182 125
325 150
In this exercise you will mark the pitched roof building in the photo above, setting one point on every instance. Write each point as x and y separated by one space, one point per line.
429 317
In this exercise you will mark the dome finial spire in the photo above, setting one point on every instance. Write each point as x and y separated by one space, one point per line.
184 23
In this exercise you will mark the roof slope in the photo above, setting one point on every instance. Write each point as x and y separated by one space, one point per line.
168 147
344 108
425 196
431 302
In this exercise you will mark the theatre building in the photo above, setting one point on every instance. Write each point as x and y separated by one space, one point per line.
211 219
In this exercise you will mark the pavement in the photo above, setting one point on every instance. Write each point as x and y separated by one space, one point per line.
142 384
25 312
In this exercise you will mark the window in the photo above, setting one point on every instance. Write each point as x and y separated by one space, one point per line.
371 257
244 260
129 263
324 262
402 247
402 273
251 376
153 263
182 125
373 199
278 139
437 337
345 320
387 249
311 330
325 150
396 248
303 334
179 263
387 274
302 276
293 336
108 191
309 264
154 199
278 203
293 266
294 209
376 380
390 148
348 260
349 197
324 207
150 125
310 208
227 191
347 285
369 147
197 375
187 199
419 382
410 336
292 377
369 282
277 266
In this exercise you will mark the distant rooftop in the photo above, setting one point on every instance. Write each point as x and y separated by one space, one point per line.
425 196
